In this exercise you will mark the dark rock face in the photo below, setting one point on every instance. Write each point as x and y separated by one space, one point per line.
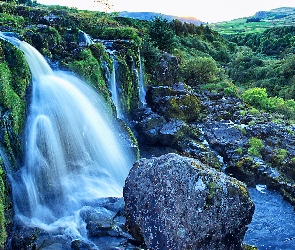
174 102
166 73
175 202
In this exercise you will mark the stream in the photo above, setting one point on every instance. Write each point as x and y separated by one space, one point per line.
273 223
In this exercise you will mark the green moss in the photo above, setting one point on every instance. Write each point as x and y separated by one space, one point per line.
15 78
256 146
127 78
248 247
290 131
242 129
281 155
10 100
185 107
243 112
212 187
45 39
2 208
239 151
90 69
237 188
254 111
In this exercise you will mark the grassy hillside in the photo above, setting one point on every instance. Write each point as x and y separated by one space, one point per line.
261 21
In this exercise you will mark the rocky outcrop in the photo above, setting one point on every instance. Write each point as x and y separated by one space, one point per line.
166 72
174 102
228 128
170 123
175 202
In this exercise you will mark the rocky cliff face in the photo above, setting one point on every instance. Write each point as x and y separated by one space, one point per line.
174 202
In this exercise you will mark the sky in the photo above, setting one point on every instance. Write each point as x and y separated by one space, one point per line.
210 11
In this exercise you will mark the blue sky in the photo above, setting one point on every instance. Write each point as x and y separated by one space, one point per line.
206 10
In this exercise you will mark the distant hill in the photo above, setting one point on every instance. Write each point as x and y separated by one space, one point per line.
262 20
150 15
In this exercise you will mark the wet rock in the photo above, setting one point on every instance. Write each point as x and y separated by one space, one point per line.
253 171
175 202
23 236
225 137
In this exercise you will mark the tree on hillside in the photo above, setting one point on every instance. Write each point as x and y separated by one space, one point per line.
162 34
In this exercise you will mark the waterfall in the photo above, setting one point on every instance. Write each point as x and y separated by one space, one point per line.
142 91
73 150
84 38
140 81
114 90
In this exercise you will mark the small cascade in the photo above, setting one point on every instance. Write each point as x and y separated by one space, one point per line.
142 90
139 75
111 77
114 90
84 39
74 153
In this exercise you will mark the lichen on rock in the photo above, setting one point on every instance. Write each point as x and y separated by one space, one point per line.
176 202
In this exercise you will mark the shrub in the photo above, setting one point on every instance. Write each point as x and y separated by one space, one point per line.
281 154
199 70
256 97
127 33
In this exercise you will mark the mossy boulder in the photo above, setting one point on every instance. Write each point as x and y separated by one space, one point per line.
175 102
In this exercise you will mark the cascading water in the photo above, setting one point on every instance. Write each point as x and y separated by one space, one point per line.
140 78
114 90
142 91
72 154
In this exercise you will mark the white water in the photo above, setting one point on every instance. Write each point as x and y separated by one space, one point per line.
84 38
73 153
114 91
142 91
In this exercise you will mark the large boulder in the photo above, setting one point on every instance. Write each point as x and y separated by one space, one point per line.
176 202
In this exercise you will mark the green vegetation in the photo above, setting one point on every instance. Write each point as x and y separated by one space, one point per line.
15 78
199 70
239 151
261 21
281 155
258 98
212 188
2 208
256 145
251 58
